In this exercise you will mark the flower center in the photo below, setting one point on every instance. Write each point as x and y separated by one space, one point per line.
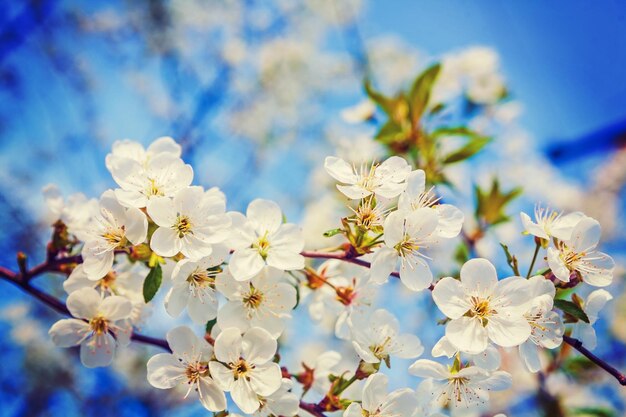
481 309
153 189
182 226
407 246
345 295
99 325
262 245
253 299
379 350
202 278
195 371
108 281
241 369
116 238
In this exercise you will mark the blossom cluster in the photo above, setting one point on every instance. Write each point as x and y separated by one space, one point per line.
239 276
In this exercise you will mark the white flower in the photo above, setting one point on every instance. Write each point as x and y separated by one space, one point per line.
483 308
416 197
323 366
384 180
377 402
592 305
549 223
260 238
376 337
546 327
466 387
97 328
190 223
360 112
263 302
345 297
112 229
406 236
281 403
76 213
245 367
187 365
126 278
194 286
161 175
578 254
124 150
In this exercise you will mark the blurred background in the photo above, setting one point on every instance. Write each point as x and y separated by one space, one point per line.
255 91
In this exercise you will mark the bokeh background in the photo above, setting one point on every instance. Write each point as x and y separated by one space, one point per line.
254 91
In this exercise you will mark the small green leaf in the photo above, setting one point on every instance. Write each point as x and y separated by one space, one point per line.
152 283
510 259
419 96
594 412
571 309
332 232
471 148
209 326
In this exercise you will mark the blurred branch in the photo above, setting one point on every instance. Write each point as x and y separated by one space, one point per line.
578 345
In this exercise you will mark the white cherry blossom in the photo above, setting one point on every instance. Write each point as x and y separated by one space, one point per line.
466 387
114 228
360 112
416 197
489 359
244 366
406 236
260 238
98 327
76 212
376 337
385 180
123 150
550 223
378 402
318 370
190 223
592 305
546 327
263 302
578 254
483 308
187 365
162 175
193 286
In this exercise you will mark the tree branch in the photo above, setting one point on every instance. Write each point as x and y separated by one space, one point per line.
578 345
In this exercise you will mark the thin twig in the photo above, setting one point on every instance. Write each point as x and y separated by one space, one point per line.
578 345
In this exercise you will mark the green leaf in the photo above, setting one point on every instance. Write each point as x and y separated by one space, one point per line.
471 148
419 95
572 309
152 283
209 326
594 412
332 232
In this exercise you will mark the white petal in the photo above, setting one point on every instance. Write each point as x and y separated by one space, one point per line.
450 298
97 351
162 211
529 353
165 242
176 299
556 264
585 235
211 396
450 220
467 334
265 215
258 346
415 274
340 170
508 331
69 332
136 226
383 263
222 375
165 371
185 344
245 263
595 302
479 277
266 379
84 303
115 308
244 396
202 308
353 410
425 368
598 269
228 345
374 392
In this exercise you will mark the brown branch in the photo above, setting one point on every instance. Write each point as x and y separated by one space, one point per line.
314 409
578 345
346 256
